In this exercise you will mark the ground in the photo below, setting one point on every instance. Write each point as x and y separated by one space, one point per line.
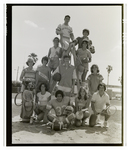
40 133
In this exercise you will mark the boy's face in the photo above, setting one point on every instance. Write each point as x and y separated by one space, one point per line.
67 60
84 44
101 89
95 69
59 97
85 34
55 42
42 87
82 92
67 19
30 63
44 62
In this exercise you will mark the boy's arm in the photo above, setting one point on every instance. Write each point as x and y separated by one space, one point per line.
72 36
89 83
93 107
49 53
48 108
92 104
22 75
58 30
90 59
76 105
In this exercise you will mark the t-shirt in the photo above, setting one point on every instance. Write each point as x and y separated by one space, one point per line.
58 106
79 41
43 74
29 74
53 51
82 104
67 74
93 81
83 53
66 29
100 101
43 99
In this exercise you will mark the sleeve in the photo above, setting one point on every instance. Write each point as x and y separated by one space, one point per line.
48 94
88 78
74 74
101 78
58 29
107 99
93 98
89 54
38 94
49 105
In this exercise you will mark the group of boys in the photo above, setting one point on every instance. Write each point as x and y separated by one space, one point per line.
59 63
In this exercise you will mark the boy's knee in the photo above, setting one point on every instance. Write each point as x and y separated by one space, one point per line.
86 114
92 120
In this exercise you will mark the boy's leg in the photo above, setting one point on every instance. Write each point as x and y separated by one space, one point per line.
22 87
86 115
92 120
40 116
84 75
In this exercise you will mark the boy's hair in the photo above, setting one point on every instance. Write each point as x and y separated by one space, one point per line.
67 16
46 88
102 84
66 56
56 38
44 58
59 92
85 30
79 93
95 66
83 42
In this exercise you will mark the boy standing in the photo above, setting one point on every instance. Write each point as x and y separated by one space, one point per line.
94 79
66 33
79 40
84 57
100 100
54 54
68 76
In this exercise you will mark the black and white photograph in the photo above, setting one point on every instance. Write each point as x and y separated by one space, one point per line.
66 64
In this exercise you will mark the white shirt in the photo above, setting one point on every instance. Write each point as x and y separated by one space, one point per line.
43 99
66 29
100 101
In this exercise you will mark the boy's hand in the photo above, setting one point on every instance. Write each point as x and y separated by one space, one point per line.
85 60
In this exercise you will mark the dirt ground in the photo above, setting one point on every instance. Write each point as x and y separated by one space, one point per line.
24 133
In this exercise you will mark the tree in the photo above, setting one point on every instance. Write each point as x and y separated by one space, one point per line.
109 69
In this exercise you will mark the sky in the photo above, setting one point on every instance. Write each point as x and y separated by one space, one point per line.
33 29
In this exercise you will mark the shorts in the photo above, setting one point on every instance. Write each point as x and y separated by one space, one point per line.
65 43
79 66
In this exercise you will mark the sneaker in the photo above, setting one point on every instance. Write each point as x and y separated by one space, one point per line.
105 125
31 120
98 121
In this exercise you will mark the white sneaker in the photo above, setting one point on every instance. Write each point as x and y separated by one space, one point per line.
98 121
105 125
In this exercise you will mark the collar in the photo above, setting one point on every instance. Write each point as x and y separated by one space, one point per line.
68 65
99 94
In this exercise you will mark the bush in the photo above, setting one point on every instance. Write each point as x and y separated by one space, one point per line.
16 84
